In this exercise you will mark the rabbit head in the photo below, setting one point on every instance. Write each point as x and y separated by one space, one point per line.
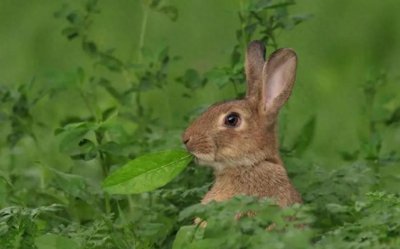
243 132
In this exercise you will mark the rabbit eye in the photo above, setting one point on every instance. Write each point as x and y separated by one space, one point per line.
232 120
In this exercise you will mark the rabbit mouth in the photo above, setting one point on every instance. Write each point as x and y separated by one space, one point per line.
203 159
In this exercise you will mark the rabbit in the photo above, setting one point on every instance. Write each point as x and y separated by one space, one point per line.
238 138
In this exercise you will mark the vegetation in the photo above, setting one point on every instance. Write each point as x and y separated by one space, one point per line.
68 128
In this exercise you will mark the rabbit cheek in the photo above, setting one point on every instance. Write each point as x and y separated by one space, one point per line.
202 148
227 145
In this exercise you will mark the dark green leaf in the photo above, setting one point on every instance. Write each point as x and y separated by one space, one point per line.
109 113
91 6
109 88
111 62
70 32
86 150
73 135
269 4
191 79
349 156
89 47
170 11
394 118
72 17
71 139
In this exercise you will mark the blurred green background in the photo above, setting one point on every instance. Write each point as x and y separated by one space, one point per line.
344 44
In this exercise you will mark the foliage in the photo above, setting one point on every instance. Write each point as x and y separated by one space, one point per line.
53 165
146 173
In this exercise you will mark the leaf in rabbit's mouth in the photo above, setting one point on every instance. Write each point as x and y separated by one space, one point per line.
147 172
203 159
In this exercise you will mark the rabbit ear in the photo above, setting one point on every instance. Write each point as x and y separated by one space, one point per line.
279 74
255 60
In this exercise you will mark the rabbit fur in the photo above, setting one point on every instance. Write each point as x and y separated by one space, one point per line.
238 138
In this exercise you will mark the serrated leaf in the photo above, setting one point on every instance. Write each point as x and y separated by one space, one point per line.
147 172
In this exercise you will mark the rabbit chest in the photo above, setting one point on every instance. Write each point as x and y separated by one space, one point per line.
263 180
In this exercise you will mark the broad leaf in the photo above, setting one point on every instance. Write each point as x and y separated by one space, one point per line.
147 172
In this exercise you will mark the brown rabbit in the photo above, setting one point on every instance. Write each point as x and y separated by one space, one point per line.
238 138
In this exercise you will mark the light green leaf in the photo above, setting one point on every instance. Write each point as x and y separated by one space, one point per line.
53 241
184 237
147 172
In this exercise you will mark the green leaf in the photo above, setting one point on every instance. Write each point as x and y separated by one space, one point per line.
170 11
109 113
71 32
72 135
192 80
73 185
91 6
394 118
109 88
73 17
71 140
85 151
114 148
184 236
53 241
110 62
147 172
89 47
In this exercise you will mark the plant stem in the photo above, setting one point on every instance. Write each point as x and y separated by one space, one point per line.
105 169
235 87
242 24
140 57
139 104
142 32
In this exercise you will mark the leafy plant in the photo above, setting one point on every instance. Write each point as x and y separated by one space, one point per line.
147 172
